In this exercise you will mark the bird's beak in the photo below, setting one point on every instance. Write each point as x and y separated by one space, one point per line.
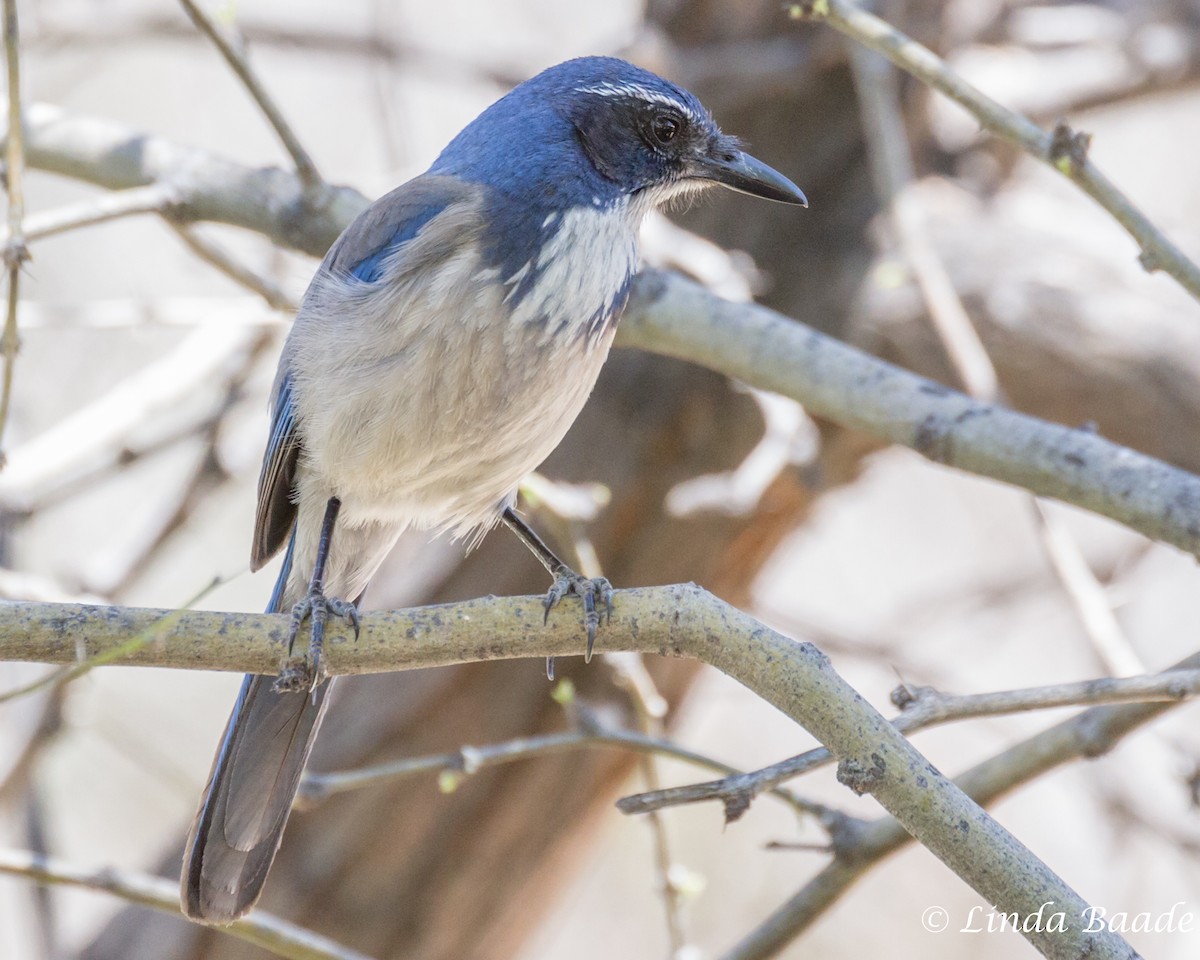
742 172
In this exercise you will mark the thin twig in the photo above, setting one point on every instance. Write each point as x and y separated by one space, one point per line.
154 198
630 674
15 250
306 170
111 573
123 313
1064 150
1091 603
924 707
46 729
262 929
317 787
891 155
213 254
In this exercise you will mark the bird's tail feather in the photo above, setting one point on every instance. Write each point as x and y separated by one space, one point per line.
250 790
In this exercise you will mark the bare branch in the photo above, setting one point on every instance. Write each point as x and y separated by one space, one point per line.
924 707
216 256
1108 639
155 198
1064 150
673 316
466 760
891 163
681 621
268 200
888 146
305 168
1090 734
97 433
15 250
50 720
262 929
110 572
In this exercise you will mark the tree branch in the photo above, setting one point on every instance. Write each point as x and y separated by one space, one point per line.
268 200
672 316
216 256
1090 734
262 929
305 168
681 621
466 760
15 251
923 707
1064 150
154 198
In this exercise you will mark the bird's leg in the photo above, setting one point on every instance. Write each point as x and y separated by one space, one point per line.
309 672
566 581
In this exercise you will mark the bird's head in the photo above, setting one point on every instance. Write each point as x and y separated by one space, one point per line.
647 134
604 129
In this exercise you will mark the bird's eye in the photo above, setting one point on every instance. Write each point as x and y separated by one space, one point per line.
665 128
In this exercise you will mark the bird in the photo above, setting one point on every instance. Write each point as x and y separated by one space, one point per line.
446 343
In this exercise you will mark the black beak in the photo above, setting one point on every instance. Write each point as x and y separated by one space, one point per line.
740 171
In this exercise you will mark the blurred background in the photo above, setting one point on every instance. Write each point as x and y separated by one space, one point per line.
139 419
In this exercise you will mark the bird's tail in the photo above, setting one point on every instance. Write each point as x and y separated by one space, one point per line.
254 779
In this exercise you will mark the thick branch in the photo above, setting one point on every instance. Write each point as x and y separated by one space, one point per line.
670 315
681 621
267 200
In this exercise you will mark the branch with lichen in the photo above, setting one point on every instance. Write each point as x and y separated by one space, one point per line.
681 621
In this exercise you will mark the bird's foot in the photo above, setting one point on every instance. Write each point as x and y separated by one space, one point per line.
589 590
308 672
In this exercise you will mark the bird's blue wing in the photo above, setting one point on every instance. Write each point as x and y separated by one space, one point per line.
391 222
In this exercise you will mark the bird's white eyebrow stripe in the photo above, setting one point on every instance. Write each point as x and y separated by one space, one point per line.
637 92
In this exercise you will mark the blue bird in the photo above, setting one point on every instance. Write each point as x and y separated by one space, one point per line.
446 344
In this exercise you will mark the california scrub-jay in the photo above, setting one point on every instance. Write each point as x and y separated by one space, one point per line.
448 340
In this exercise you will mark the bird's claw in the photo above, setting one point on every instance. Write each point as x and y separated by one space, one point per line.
587 589
308 672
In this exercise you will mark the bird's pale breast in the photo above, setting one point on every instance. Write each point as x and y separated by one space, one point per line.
459 389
